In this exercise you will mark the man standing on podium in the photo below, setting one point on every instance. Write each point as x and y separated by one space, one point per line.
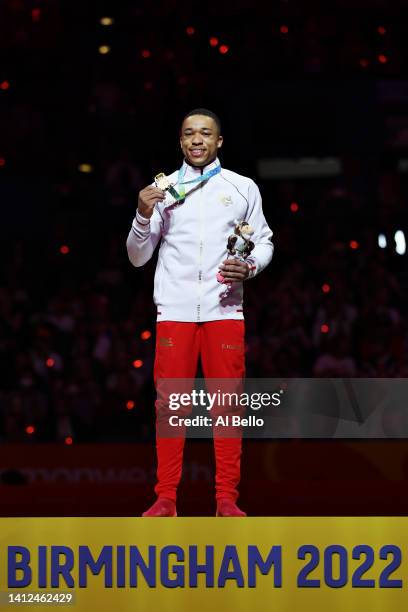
191 213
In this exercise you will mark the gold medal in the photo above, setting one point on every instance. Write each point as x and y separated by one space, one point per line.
162 182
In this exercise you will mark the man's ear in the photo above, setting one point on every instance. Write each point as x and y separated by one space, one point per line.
220 141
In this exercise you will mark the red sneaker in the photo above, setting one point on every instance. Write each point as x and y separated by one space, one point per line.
226 507
162 507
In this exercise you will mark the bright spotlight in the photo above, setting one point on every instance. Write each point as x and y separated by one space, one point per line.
382 241
400 244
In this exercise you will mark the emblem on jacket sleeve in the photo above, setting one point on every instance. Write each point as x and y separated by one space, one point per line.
165 341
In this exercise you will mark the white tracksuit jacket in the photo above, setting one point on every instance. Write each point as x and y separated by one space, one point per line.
194 234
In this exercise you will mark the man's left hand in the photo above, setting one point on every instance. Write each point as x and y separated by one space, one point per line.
234 270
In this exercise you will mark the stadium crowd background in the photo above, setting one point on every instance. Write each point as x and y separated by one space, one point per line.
91 97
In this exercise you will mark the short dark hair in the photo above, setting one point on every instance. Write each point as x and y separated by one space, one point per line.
208 113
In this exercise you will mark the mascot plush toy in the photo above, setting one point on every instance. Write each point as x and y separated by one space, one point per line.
239 246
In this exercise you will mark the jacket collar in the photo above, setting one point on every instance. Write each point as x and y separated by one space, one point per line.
193 171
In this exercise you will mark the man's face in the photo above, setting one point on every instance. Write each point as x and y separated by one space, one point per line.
200 140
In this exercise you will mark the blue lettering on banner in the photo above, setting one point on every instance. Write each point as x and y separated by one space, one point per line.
385 581
42 567
230 556
336 551
303 580
334 566
178 570
207 568
341 553
273 559
148 569
21 565
59 567
357 580
121 566
104 561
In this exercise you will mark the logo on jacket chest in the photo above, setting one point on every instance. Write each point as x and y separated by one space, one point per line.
226 200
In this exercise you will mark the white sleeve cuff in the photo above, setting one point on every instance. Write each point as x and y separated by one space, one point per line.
251 263
141 220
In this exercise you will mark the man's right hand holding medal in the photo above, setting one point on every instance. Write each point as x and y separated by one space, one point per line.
148 198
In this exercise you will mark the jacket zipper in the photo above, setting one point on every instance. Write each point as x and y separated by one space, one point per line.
200 257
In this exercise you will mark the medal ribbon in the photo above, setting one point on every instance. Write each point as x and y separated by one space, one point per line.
181 184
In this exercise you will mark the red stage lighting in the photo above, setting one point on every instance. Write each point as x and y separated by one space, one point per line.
213 41
326 288
324 328
224 49
137 363
294 207
146 334
35 15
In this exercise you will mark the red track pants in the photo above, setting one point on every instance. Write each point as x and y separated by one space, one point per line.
220 344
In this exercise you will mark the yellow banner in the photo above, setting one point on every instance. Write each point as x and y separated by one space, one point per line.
171 565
